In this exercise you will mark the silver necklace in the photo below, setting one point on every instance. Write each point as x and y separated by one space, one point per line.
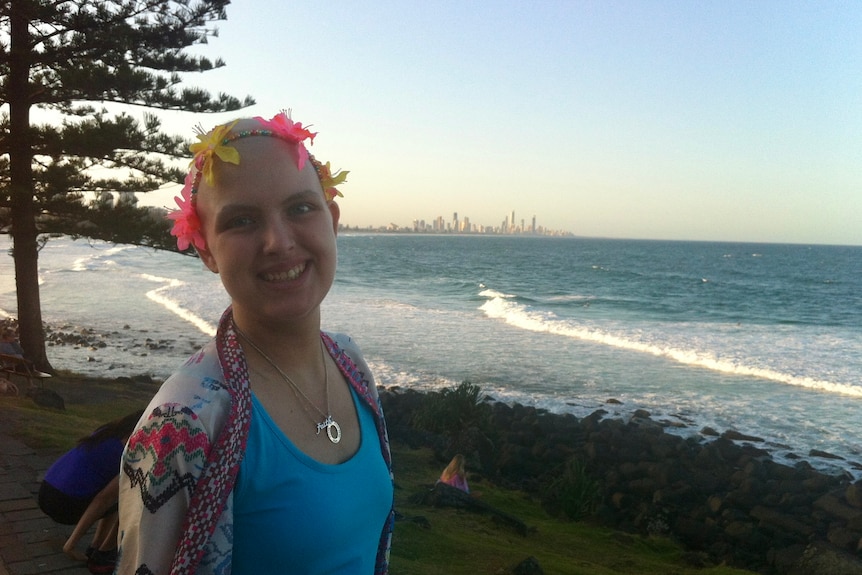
333 430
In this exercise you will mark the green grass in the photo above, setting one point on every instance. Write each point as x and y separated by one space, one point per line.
457 542
89 404
462 542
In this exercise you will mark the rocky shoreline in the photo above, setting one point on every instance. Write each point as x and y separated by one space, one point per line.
721 495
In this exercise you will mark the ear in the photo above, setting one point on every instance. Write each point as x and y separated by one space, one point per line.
336 214
207 258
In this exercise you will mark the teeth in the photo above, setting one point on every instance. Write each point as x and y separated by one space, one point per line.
290 274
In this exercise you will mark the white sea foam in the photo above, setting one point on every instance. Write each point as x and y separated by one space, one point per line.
387 375
174 306
490 293
97 259
518 315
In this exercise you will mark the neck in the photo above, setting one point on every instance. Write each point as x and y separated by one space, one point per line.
286 344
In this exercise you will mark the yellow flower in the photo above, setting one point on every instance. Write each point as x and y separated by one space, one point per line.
329 181
211 143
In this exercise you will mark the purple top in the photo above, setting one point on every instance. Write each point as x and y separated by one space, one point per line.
86 470
457 481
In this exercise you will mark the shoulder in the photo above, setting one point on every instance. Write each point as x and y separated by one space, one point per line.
196 382
346 344
194 396
352 363
347 348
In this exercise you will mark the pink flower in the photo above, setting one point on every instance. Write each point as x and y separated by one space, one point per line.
283 127
187 225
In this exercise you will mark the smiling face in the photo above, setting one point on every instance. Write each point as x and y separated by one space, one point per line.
270 234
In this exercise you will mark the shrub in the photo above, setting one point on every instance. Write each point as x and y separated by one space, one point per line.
455 413
572 492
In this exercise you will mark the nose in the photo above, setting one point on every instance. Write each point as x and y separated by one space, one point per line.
278 236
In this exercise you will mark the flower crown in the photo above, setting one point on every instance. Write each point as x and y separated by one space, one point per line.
216 144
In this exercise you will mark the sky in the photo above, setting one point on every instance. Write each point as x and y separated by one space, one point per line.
717 120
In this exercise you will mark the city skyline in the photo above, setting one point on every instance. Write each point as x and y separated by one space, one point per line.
462 225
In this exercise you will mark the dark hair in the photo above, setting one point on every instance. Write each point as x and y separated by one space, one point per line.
119 429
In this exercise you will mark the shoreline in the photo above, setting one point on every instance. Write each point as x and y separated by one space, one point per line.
578 355
77 341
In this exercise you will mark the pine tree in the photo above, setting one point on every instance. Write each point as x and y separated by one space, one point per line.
74 59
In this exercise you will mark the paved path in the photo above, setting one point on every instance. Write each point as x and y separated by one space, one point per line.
30 542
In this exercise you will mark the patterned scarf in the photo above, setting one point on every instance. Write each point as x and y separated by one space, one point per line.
220 470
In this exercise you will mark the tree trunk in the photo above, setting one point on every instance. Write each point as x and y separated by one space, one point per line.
24 232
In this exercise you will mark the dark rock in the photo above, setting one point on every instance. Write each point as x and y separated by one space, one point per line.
696 559
739 530
46 398
823 454
419 520
695 534
529 566
825 559
853 495
843 538
442 495
737 436
833 505
776 519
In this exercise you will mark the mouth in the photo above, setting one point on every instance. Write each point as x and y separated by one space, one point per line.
289 275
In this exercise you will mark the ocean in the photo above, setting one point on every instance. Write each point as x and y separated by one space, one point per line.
764 339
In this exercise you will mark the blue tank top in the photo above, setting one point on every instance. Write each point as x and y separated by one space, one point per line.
293 514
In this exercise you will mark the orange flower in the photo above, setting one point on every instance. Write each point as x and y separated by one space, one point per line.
328 180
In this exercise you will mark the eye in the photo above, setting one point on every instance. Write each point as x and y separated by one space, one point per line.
238 222
301 209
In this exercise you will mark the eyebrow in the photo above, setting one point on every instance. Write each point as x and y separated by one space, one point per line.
301 196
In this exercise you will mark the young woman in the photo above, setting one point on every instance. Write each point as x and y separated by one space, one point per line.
82 488
455 474
267 451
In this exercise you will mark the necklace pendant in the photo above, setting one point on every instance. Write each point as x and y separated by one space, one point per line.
329 424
